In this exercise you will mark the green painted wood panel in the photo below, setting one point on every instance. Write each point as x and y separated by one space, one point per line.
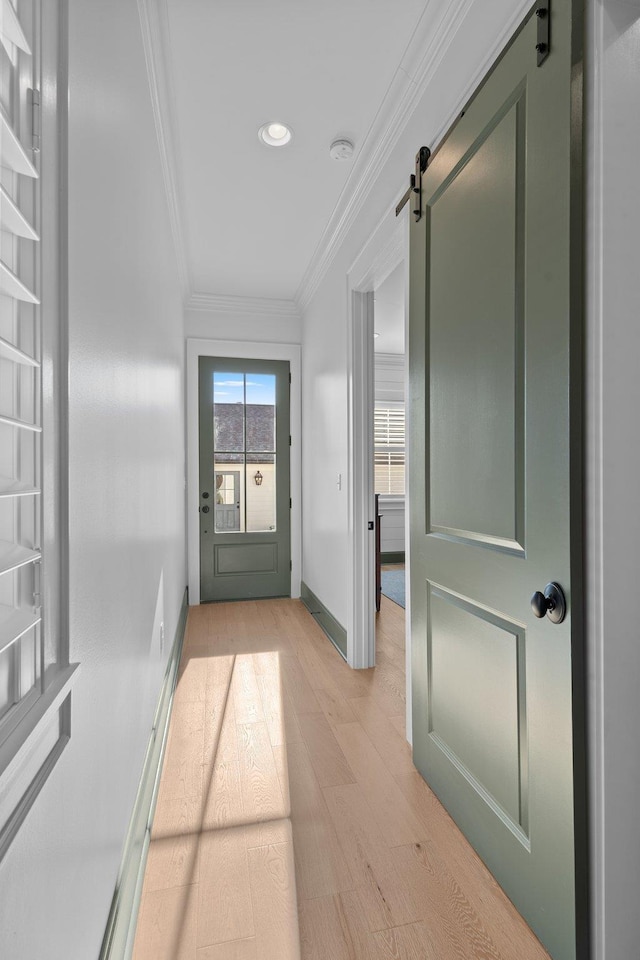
245 525
494 433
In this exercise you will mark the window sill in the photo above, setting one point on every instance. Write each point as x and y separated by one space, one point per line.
31 751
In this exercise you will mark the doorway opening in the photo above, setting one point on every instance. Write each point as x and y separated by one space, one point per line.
388 416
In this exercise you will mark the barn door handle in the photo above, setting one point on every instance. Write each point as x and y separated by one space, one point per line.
551 603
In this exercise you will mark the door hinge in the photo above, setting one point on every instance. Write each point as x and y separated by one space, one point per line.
543 43
34 96
289 378
289 439
414 192
290 564
290 504
37 583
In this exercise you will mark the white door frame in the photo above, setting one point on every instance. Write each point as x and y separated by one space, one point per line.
382 254
250 350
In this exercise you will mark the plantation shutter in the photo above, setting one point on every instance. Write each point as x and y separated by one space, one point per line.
389 445
22 661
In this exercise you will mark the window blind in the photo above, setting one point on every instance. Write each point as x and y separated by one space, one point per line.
389 447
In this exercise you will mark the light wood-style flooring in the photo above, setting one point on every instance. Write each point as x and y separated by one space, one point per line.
291 822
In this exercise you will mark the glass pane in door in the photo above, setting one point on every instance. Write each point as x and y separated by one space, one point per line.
228 451
261 452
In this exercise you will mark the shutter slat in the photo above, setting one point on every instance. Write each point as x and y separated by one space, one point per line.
10 27
15 625
11 352
16 488
13 557
389 450
12 220
12 153
13 286
21 424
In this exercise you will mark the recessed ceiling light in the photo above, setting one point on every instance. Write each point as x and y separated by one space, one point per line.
275 133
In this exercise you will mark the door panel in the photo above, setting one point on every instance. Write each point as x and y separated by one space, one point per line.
245 545
494 419
481 386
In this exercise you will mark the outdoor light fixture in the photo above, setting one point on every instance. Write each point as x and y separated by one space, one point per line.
275 134
258 478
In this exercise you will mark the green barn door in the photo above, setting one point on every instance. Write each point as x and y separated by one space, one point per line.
495 401
245 540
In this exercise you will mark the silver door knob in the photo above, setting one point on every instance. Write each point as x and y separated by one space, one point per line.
551 603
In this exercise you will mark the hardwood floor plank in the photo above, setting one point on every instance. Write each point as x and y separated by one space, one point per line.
246 695
222 801
360 937
192 679
273 892
262 797
300 692
321 866
172 861
323 930
387 900
167 925
182 773
176 818
400 723
392 747
334 706
279 714
412 942
455 924
225 910
328 760
388 804
231 950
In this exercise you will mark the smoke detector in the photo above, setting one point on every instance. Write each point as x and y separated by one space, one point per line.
341 150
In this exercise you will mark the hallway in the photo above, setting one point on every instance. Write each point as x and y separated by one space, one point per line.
291 821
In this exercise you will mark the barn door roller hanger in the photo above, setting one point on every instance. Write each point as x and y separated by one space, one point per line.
414 192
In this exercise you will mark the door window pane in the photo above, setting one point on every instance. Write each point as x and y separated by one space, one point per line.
261 493
227 500
261 413
244 444
228 412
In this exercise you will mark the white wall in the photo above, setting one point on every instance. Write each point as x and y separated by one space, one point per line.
126 495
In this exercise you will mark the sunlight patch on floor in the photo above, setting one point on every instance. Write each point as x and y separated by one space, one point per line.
220 875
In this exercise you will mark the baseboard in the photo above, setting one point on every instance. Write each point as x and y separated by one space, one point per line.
393 557
121 925
333 629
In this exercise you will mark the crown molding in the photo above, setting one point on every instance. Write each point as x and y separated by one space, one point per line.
243 306
425 52
154 23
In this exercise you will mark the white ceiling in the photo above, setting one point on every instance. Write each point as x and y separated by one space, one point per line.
388 313
252 216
